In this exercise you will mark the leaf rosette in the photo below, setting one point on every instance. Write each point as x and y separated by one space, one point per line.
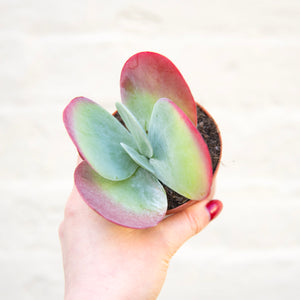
124 167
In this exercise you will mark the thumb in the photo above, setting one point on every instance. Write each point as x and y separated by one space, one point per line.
181 226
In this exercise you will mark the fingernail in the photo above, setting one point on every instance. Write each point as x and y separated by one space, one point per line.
214 207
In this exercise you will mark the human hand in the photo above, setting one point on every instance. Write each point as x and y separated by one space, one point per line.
103 260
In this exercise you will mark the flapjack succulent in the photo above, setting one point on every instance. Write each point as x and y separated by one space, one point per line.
124 167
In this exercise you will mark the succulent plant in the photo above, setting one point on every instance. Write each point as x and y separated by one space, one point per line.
123 167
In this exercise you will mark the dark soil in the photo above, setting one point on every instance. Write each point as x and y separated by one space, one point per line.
210 133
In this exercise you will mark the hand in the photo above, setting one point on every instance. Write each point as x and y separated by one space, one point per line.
103 260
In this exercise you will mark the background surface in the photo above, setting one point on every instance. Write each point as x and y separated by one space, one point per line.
241 61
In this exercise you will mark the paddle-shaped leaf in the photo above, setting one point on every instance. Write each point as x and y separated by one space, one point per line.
147 77
97 136
136 130
137 202
181 159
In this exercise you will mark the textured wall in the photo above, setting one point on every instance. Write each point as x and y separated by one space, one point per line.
241 60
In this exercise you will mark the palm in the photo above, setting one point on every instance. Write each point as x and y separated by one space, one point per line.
122 263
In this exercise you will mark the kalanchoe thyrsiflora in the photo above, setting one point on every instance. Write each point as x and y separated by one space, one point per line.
121 175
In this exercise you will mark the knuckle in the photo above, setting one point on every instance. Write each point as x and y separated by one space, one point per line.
70 211
194 222
61 230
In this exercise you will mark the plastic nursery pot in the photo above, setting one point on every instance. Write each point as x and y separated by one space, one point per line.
209 130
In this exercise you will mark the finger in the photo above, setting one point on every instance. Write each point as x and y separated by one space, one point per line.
183 225
75 200
79 159
75 205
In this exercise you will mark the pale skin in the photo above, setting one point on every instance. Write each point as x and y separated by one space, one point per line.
103 260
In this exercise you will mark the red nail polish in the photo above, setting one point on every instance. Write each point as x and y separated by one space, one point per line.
214 207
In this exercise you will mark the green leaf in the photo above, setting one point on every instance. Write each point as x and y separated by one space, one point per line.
136 130
147 77
181 158
138 158
137 202
97 136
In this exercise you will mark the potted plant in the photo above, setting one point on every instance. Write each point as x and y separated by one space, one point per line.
156 153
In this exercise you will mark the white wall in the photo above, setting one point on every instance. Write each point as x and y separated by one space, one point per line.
241 60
